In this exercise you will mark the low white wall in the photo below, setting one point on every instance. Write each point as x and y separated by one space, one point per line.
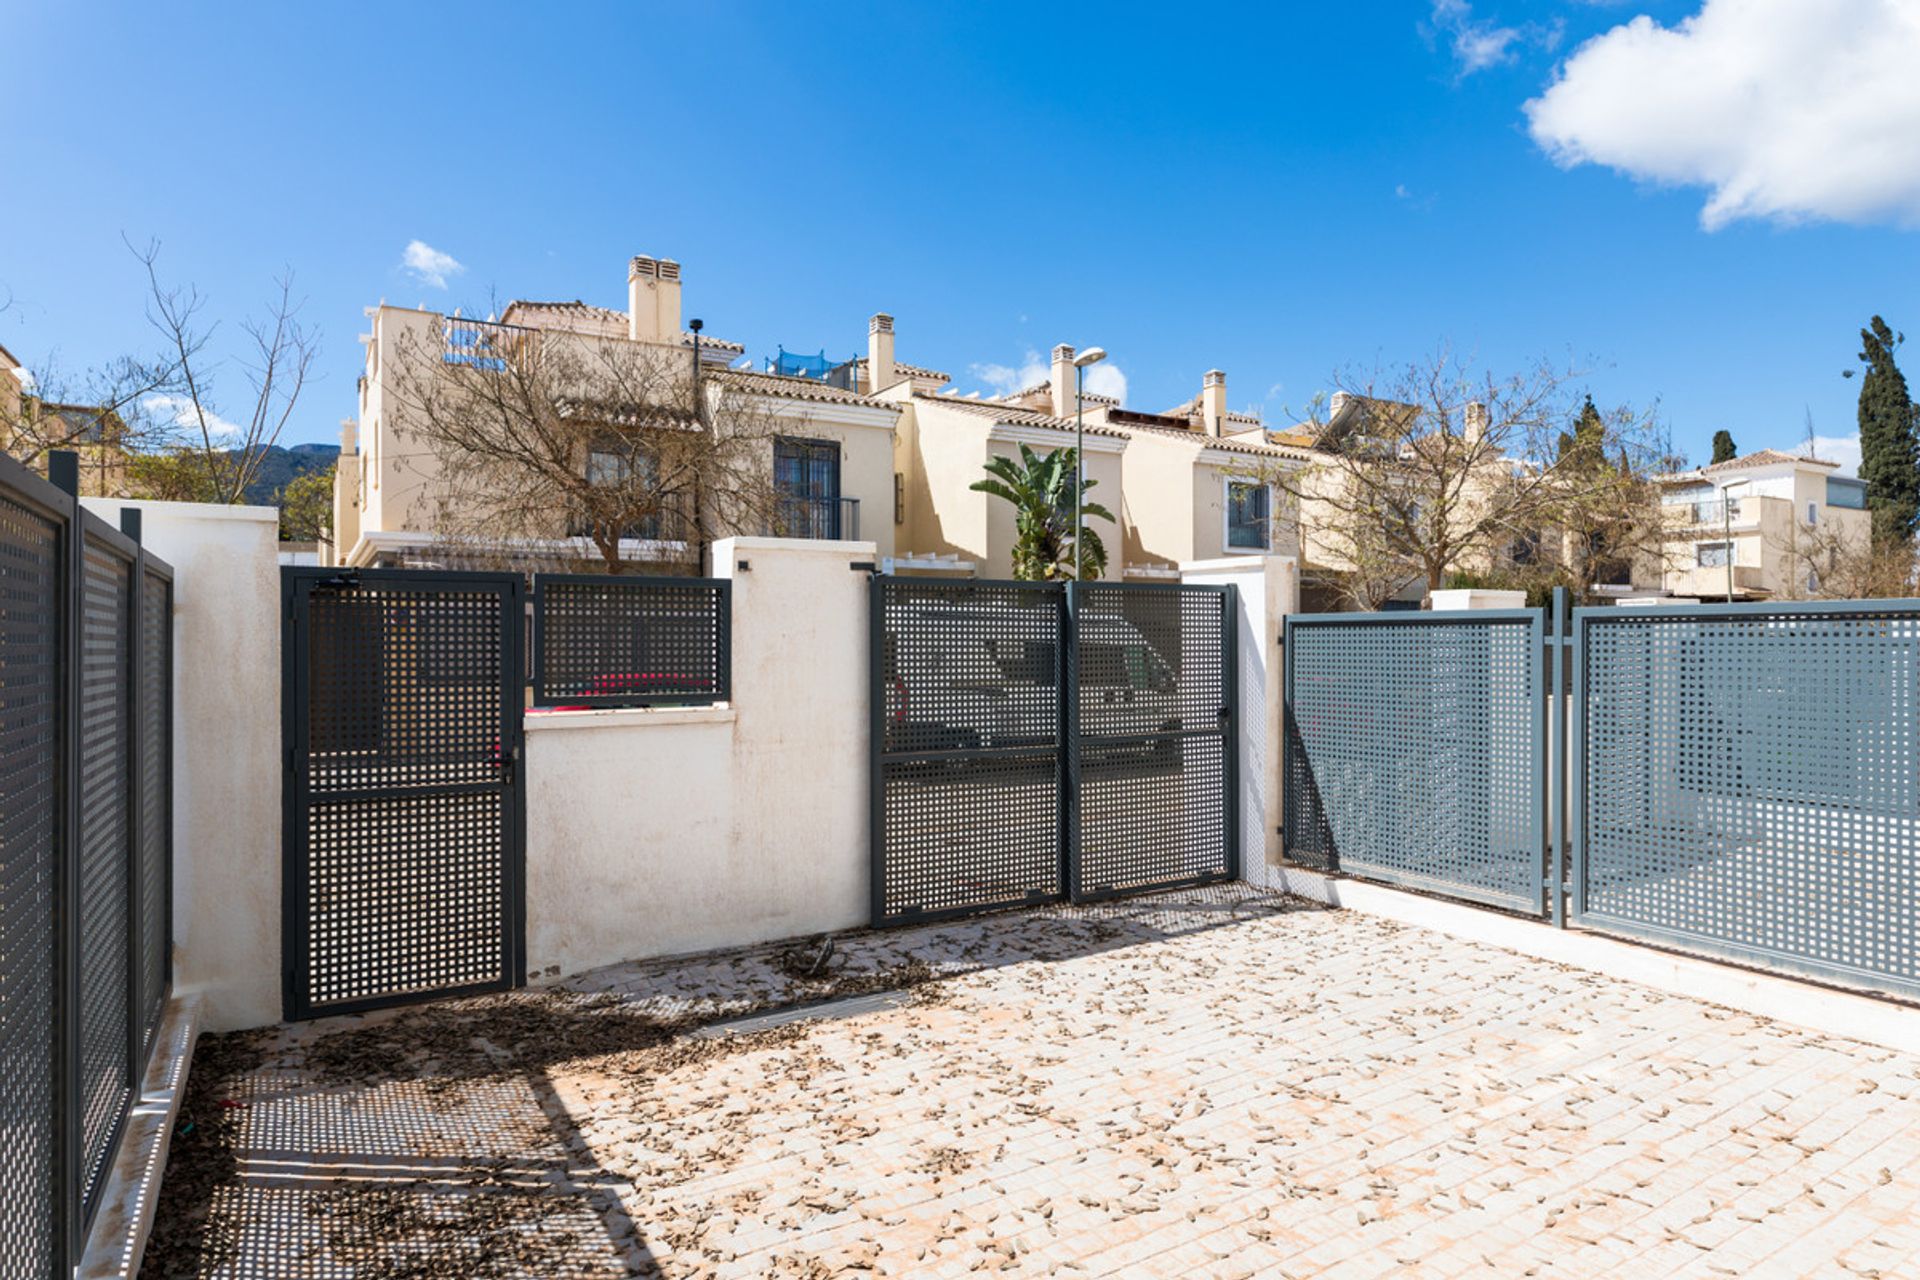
1269 589
663 832
226 751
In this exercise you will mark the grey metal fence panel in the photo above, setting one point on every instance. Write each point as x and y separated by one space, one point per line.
1747 783
155 844
31 670
105 919
607 641
966 703
1154 691
1415 750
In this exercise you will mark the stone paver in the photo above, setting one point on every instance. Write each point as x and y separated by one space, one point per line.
1202 1084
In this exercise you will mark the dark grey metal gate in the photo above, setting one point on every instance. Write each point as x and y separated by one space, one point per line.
404 697
1416 750
1747 783
1154 694
1038 741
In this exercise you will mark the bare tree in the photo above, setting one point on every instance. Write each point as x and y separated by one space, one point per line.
227 454
1434 468
538 434
1831 561
149 425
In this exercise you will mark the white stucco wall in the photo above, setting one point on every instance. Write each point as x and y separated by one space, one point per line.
663 832
1269 589
226 751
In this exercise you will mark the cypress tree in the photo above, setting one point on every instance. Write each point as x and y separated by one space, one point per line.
1723 446
1889 451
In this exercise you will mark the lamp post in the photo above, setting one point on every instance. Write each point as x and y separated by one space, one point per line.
696 326
1092 355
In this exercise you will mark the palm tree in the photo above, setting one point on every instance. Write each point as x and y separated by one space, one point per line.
1040 487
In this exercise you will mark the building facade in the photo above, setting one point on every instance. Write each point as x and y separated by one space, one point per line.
827 456
1764 526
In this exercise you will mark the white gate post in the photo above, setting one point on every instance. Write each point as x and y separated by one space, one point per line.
1269 589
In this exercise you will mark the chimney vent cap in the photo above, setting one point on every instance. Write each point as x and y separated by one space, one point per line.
1216 378
880 323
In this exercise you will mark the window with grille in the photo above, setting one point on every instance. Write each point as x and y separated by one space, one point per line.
1713 555
806 476
1249 510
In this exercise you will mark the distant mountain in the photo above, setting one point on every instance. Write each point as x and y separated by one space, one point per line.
281 466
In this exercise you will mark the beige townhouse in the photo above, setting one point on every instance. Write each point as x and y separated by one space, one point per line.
1763 526
1194 483
830 456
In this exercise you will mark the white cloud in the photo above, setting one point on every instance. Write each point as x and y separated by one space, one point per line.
178 410
1478 44
1782 109
1106 379
1844 450
1006 379
428 265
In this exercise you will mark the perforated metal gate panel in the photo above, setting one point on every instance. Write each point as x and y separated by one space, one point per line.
404 812
30 551
1415 750
155 782
1748 782
1154 685
967 705
104 1007
620 641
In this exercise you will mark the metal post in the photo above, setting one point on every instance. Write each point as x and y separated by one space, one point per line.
877 694
1559 648
63 469
136 717
1067 672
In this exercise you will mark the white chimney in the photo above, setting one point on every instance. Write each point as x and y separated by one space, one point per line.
1062 381
1213 403
1337 405
1477 422
880 373
653 299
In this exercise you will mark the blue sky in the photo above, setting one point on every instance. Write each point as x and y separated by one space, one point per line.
1279 192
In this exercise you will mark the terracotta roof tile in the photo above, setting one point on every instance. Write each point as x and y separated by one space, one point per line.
1762 458
1014 415
774 384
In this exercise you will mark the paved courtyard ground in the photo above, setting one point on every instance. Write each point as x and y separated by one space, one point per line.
1203 1084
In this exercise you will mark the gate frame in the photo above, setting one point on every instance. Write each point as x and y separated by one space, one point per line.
1067 772
1540 643
1228 731
296 587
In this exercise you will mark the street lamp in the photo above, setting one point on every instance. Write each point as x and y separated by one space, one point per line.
1092 355
696 326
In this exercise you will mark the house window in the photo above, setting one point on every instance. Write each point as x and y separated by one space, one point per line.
1813 513
633 471
1713 555
806 478
1249 512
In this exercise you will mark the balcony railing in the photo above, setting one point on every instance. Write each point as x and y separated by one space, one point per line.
1720 512
482 344
830 519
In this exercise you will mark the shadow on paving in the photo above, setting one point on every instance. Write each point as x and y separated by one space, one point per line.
428 1142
